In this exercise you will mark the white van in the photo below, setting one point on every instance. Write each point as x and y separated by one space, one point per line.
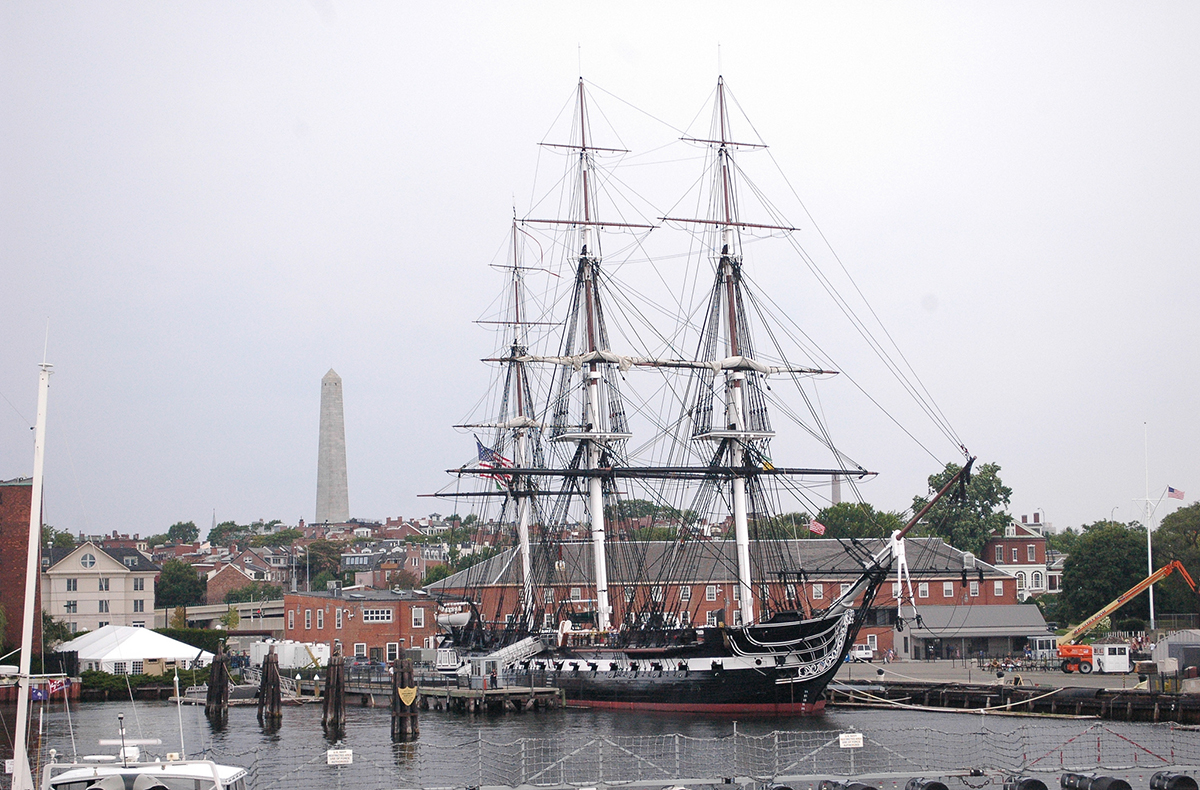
862 653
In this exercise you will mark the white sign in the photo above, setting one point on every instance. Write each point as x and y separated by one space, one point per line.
9 766
340 756
850 740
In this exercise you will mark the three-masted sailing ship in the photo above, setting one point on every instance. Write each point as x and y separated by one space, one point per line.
605 579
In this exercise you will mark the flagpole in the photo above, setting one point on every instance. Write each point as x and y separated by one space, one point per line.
1149 555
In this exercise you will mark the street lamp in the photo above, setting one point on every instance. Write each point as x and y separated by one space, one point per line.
1112 514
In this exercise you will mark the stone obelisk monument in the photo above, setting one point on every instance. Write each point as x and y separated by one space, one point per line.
333 500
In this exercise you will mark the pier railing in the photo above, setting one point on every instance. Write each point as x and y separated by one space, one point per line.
788 757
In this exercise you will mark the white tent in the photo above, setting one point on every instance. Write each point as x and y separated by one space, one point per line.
125 650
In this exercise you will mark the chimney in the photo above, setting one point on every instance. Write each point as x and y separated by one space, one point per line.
1025 519
1036 517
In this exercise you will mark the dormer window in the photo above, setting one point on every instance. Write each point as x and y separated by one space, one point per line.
131 562
1010 531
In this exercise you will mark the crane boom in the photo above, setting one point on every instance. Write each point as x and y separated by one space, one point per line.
1125 597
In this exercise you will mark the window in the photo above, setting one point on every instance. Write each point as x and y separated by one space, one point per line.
685 593
1016 554
393 651
139 605
320 618
72 585
360 649
308 619
138 668
1053 582
1035 581
292 619
377 615
656 594
576 594
818 591
103 584
72 607
737 592
548 597
997 587
710 592
896 590
873 642
999 554
628 595
337 618
1031 552
416 561
547 620
974 589
74 627
737 616
843 588
418 617
139 584
1021 581
710 619
120 668
131 562
102 623
923 590
87 560
103 605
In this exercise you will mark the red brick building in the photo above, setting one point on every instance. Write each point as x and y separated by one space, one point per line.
16 498
1020 551
373 624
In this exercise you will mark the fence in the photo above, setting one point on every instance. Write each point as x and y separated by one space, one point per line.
778 756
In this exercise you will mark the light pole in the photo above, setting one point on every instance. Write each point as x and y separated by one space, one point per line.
1112 514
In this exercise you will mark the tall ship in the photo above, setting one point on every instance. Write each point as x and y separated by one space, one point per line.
649 544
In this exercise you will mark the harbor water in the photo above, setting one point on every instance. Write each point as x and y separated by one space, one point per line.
586 747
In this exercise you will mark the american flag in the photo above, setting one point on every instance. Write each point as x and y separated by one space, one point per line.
816 527
490 459
1174 493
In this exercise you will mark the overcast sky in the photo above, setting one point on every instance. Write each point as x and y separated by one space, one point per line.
215 203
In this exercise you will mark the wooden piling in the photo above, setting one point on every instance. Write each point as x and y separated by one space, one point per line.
216 704
333 711
270 692
405 702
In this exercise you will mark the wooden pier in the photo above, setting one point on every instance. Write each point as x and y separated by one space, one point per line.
996 698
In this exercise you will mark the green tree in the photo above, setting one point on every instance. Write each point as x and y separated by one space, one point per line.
966 521
231 619
404 579
179 585
284 537
1064 541
1107 560
325 556
858 520
1178 538
183 532
322 580
255 591
55 632
435 573
179 618
58 539
227 533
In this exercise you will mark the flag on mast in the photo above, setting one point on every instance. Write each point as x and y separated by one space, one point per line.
816 527
1174 493
490 459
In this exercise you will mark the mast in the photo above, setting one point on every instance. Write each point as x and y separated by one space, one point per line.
522 457
587 267
22 777
735 404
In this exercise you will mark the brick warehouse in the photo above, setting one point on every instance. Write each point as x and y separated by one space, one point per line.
16 498
373 624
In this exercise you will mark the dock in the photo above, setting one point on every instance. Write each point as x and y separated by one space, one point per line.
997 698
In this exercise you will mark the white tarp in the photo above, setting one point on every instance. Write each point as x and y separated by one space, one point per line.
111 645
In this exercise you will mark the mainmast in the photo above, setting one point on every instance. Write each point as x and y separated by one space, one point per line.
523 422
